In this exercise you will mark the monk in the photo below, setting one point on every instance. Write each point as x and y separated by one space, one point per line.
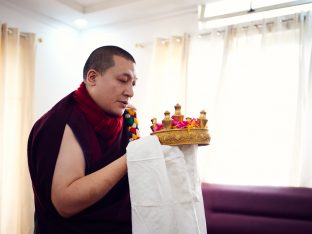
77 152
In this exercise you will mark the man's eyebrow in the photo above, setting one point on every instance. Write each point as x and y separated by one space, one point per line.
129 76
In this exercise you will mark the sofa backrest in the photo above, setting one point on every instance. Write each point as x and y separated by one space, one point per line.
232 209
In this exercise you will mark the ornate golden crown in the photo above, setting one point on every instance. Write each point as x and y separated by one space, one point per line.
176 130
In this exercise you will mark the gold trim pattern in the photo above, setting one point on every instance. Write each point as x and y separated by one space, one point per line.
194 136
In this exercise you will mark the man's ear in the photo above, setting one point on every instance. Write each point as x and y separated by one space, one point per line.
91 77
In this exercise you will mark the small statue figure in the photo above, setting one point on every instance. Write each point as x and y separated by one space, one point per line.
177 114
167 121
202 119
154 124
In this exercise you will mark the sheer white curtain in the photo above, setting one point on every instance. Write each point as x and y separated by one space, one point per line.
254 81
302 157
17 59
167 80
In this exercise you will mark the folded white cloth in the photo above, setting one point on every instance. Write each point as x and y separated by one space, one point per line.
165 189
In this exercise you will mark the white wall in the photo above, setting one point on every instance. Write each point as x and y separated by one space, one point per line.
61 55
58 56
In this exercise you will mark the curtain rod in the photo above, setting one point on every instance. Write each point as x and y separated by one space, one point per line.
24 34
257 25
202 17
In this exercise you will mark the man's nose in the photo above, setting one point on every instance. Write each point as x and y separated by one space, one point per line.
129 91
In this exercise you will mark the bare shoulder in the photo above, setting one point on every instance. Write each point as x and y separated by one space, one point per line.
70 164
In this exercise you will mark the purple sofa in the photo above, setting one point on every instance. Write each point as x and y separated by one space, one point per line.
232 209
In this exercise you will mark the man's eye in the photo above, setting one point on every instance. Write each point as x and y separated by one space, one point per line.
133 83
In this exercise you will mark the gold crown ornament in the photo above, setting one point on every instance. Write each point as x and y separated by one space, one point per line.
176 130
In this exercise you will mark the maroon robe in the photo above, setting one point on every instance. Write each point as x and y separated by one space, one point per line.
112 214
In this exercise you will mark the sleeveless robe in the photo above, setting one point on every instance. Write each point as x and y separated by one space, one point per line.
112 214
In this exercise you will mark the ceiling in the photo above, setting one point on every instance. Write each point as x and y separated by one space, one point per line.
101 13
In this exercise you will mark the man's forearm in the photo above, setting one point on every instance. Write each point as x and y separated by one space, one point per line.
87 190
